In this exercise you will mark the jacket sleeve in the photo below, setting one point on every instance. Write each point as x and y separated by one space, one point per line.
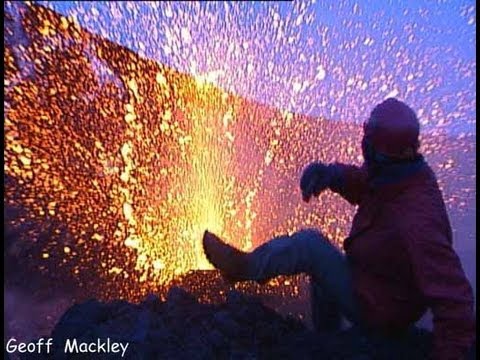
440 278
350 182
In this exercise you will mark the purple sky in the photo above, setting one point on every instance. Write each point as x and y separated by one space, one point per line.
320 58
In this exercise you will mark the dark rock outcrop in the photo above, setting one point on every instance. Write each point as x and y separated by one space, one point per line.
240 328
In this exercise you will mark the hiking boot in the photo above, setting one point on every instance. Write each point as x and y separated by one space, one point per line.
231 262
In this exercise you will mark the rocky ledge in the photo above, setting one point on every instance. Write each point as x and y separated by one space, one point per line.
239 328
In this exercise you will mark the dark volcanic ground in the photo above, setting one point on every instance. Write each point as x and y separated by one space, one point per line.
220 321
239 328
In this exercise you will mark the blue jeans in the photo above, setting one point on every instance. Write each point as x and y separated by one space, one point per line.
308 251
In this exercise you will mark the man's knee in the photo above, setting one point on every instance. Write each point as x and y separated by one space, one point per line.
309 233
322 254
311 238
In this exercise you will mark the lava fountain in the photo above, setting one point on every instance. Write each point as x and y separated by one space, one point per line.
116 164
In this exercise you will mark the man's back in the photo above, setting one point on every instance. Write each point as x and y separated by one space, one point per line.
402 260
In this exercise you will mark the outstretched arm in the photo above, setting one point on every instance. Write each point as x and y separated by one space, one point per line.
350 182
347 180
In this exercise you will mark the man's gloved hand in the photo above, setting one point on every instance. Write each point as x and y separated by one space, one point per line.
316 177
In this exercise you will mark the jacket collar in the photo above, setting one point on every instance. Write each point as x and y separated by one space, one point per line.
391 179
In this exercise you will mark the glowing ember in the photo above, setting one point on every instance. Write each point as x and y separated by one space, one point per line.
117 164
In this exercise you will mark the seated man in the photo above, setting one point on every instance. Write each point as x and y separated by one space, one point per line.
398 260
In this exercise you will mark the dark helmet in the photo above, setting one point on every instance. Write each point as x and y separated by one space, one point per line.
393 129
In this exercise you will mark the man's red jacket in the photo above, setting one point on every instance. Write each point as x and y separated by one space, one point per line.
402 260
